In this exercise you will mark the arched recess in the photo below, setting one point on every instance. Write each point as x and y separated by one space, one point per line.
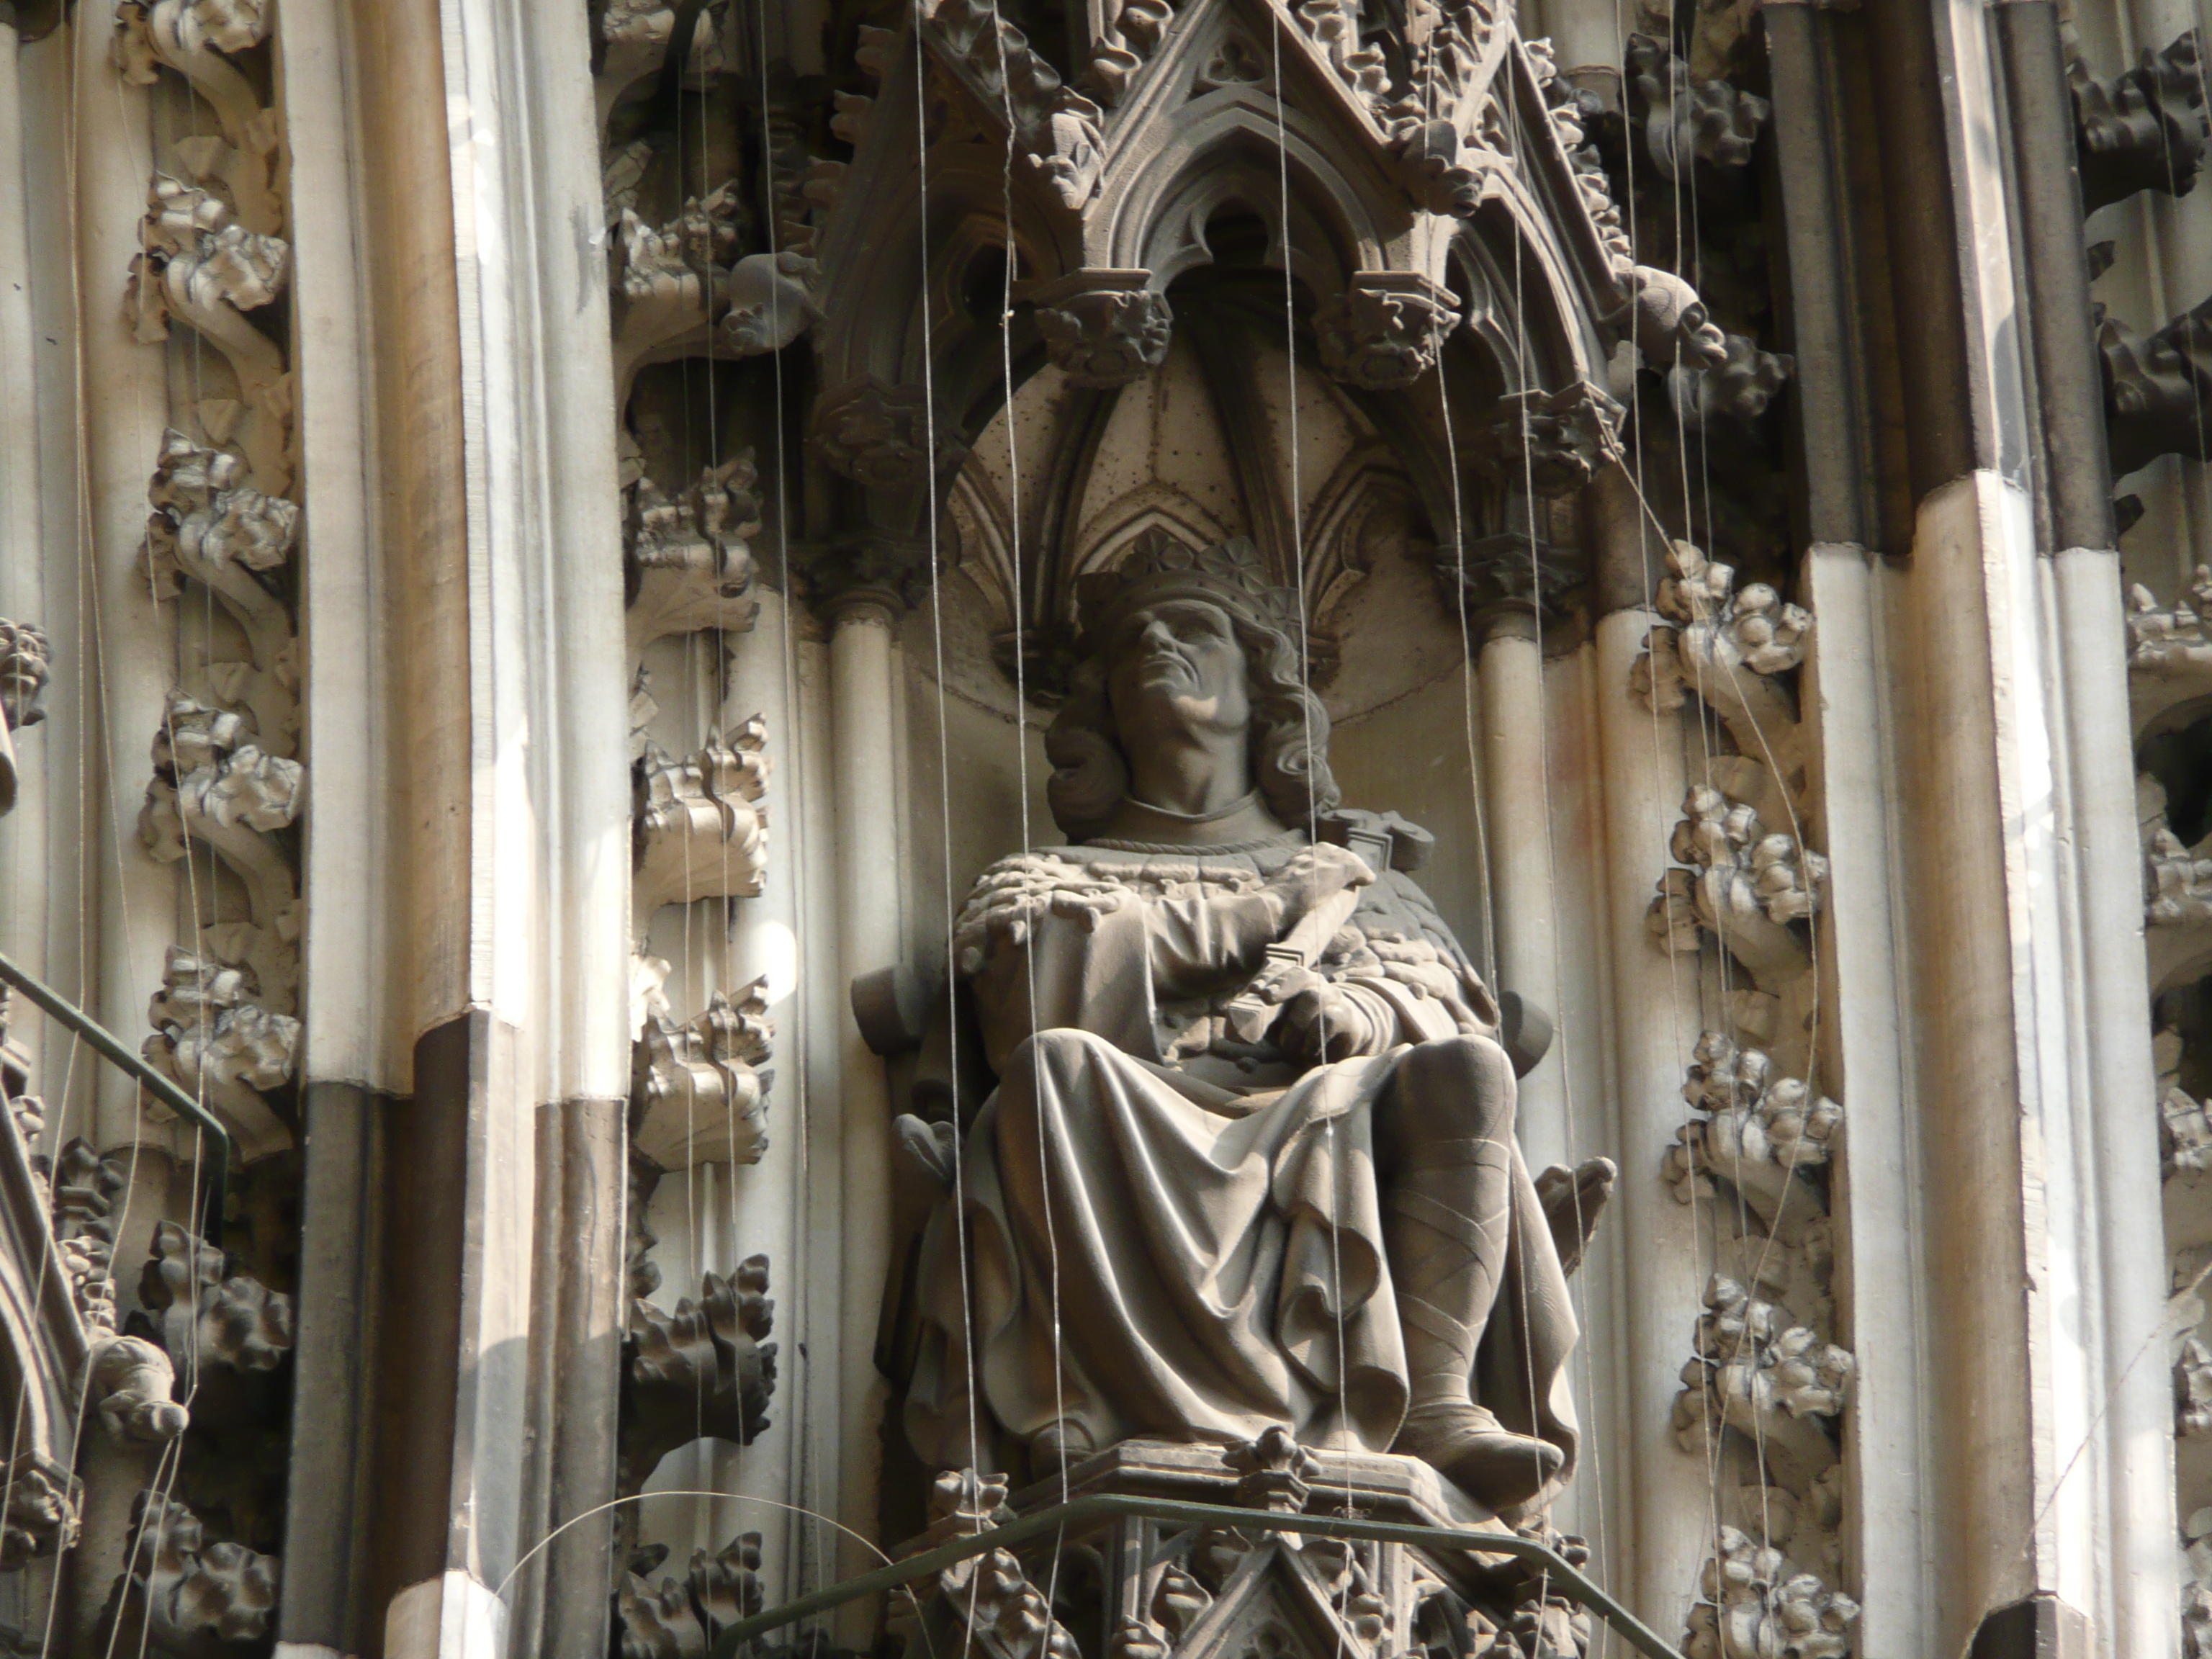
1120 211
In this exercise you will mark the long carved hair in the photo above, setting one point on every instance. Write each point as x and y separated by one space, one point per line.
1289 739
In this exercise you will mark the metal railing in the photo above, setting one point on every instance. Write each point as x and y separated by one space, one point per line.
1082 1512
111 1047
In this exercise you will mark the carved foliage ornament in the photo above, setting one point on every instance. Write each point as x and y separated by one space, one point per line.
705 1369
2142 129
40 1520
178 1591
681 1620
1686 120
1105 328
207 1316
699 1091
700 828
1128 43
1755 1608
876 434
1059 131
1386 330
1553 443
689 564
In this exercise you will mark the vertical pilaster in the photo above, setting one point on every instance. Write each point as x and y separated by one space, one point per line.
1656 1024
867 700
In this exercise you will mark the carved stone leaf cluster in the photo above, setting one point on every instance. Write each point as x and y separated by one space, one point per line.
1059 132
2170 641
1768 1378
86 1187
690 564
681 1620
1549 443
1765 1135
699 827
1685 120
2143 129
207 1316
704 1370
1740 882
216 1040
1753 1607
178 1590
699 1089
1385 332
1105 328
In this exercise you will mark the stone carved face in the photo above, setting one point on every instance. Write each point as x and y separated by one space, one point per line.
1177 664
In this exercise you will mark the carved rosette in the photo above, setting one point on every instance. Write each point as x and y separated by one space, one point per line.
1386 330
1105 328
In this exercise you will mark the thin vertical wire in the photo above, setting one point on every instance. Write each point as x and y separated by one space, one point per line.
944 746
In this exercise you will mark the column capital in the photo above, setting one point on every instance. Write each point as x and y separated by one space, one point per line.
864 575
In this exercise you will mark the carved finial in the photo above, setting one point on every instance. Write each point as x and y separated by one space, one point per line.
1278 1472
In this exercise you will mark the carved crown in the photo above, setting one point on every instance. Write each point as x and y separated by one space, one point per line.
1158 566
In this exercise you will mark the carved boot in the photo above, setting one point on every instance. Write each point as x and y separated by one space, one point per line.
1445 1225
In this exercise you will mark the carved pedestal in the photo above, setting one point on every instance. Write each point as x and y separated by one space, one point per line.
1141 1589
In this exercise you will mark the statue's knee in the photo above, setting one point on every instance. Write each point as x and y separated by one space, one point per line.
1466 1080
1058 1052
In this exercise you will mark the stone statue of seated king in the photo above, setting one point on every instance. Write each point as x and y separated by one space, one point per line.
1249 1159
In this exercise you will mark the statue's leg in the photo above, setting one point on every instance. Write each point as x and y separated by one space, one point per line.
1444 1143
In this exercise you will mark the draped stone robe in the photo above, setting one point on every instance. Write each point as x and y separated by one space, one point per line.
1173 1234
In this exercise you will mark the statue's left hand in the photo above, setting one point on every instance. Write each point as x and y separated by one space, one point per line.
1324 1022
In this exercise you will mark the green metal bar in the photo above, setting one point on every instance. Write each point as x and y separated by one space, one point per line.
107 1043
1081 1512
